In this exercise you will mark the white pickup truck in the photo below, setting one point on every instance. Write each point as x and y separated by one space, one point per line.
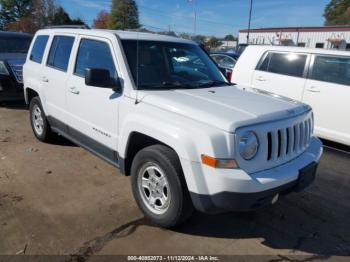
160 110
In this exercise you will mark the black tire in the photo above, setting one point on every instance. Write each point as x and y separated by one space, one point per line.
180 205
46 135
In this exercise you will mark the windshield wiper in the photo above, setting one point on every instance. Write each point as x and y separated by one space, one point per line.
177 85
160 86
213 83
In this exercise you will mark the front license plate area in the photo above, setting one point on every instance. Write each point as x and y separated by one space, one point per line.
306 176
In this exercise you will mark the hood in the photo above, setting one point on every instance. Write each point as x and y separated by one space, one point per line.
13 56
225 107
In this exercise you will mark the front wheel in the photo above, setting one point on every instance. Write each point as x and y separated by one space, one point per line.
159 186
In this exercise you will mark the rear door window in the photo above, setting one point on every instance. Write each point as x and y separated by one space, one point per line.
290 64
60 51
38 49
94 54
331 69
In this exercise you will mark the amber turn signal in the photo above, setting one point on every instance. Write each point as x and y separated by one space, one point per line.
218 163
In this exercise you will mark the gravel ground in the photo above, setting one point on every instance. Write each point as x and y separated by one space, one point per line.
60 199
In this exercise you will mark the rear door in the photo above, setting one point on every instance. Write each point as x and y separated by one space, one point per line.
328 92
55 76
282 73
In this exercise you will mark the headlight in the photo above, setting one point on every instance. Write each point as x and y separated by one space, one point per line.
3 69
248 145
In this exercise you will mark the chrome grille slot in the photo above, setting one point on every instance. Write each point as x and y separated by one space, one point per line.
301 136
269 146
296 138
279 137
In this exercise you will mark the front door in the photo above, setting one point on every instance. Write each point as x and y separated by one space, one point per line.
93 110
328 92
282 74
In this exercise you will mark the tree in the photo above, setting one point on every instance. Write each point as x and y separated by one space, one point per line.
124 15
100 22
185 35
169 33
230 38
199 39
337 12
12 11
213 42
61 17
31 15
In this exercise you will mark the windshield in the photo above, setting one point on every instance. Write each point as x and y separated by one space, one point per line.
14 45
170 65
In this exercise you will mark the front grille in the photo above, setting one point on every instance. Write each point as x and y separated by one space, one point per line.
16 66
17 70
287 141
279 141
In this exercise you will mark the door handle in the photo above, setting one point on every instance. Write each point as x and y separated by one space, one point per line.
313 89
45 79
74 90
260 78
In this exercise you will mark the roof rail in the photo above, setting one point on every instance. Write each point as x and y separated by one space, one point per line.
68 26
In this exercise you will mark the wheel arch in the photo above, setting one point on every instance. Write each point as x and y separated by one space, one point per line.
137 141
29 94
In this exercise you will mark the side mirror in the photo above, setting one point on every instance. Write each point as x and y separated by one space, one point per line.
101 78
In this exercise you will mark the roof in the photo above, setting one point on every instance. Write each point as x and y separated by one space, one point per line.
297 29
121 34
9 34
264 48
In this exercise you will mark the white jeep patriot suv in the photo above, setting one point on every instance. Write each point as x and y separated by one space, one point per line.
160 110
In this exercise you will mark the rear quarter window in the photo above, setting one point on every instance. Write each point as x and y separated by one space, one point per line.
38 49
331 69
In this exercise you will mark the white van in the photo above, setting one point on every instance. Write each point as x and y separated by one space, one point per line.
318 77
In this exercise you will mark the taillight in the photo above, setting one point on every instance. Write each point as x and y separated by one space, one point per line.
229 74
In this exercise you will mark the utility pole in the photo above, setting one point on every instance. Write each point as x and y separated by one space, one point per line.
250 18
194 2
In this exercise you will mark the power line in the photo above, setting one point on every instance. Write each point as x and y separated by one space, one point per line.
186 17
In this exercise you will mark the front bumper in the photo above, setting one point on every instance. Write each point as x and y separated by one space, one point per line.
10 89
235 190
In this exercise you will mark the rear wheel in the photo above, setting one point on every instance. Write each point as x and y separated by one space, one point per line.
40 125
159 186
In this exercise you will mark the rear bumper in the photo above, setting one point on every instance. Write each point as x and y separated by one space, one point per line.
235 190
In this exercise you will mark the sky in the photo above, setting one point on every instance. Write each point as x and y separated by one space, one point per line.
214 17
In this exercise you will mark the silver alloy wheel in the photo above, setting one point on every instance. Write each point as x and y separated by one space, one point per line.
38 121
154 188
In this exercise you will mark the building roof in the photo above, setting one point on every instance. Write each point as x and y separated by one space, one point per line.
297 29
